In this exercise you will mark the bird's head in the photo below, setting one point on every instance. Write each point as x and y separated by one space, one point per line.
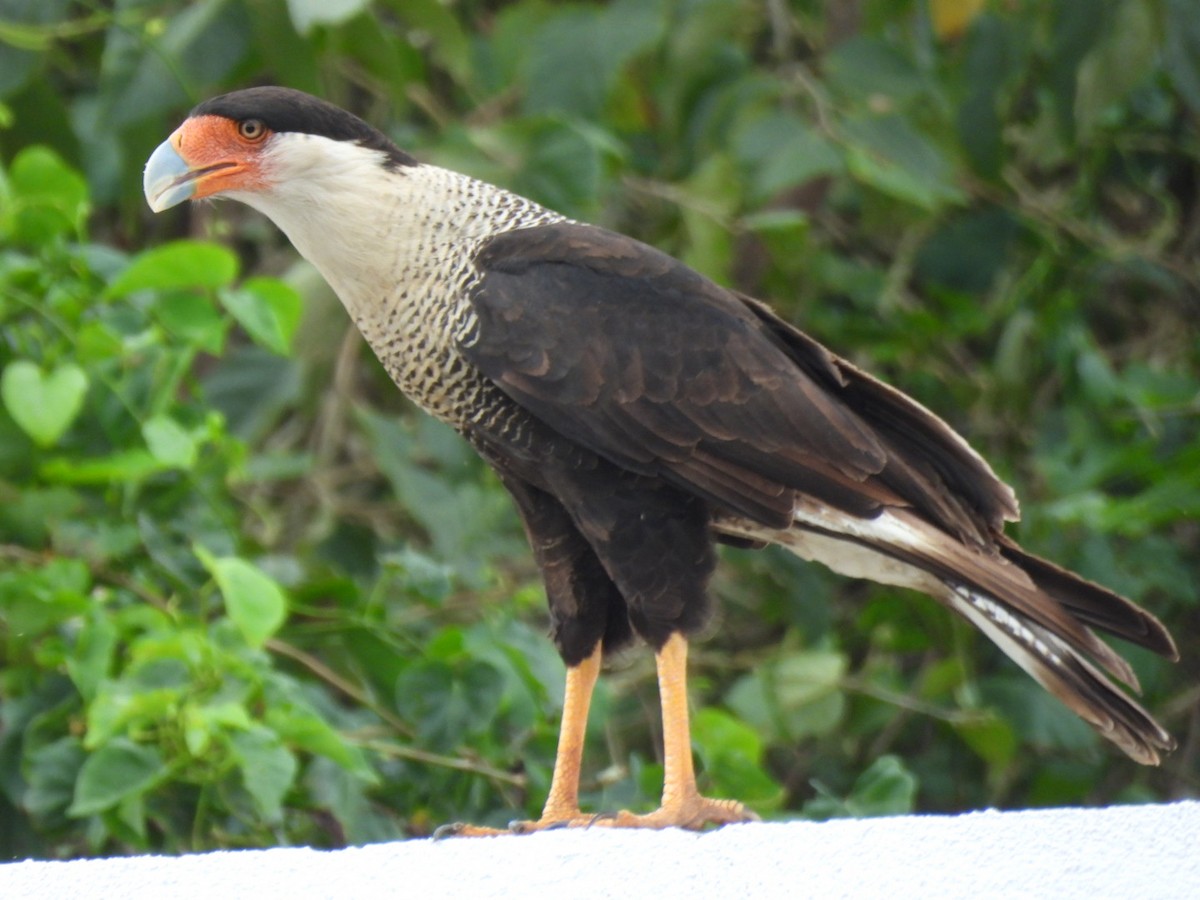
256 145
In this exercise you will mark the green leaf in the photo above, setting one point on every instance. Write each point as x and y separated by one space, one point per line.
255 602
716 732
252 387
1117 65
785 152
50 198
346 797
887 788
889 154
990 736
52 773
732 755
574 60
563 161
308 731
127 467
1076 26
194 319
268 309
268 768
713 195
38 173
449 702
34 601
121 705
180 264
992 58
804 677
201 724
508 49
308 14
38 512
92 657
794 697
1182 50
867 69
169 442
43 405
117 770
466 523
449 43
1035 714
146 72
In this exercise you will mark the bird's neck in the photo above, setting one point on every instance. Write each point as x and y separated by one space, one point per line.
398 248
387 238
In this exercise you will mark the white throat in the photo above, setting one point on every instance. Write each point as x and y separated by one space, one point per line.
376 233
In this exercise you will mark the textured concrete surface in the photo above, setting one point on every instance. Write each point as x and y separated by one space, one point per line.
1120 852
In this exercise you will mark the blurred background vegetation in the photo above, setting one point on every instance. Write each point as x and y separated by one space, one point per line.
248 596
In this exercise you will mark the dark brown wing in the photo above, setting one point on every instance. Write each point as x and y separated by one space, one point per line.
637 357
945 462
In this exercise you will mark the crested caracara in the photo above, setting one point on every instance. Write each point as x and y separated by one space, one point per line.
637 413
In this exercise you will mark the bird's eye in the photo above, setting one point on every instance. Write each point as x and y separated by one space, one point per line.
252 129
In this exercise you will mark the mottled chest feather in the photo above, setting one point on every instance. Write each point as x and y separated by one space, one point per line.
410 296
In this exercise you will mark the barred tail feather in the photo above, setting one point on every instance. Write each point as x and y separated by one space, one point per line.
1066 674
1040 615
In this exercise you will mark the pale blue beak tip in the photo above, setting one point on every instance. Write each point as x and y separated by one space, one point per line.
165 181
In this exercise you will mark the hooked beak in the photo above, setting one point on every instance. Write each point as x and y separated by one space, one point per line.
168 179
202 158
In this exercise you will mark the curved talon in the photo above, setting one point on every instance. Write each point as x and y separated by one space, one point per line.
600 817
463 829
526 826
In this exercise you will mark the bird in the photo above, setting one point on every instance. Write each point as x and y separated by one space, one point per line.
639 414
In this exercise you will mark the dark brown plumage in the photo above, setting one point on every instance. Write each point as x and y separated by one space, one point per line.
638 412
740 409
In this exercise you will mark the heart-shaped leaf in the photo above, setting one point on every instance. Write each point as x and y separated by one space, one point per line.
43 405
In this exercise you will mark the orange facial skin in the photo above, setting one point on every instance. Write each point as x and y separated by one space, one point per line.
206 155
223 155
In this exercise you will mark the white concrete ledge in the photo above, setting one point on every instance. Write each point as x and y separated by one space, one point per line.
1119 852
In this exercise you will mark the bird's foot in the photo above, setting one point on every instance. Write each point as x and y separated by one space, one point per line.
462 829
551 820
693 812
575 819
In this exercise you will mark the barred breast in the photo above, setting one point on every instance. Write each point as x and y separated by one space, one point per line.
415 314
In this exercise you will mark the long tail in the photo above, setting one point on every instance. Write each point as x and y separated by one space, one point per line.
1040 615
1066 674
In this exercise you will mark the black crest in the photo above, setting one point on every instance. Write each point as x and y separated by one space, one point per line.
285 109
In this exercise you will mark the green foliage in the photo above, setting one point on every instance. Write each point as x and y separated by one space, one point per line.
43 405
248 597
886 788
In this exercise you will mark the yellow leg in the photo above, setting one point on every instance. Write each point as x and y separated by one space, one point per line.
562 804
682 804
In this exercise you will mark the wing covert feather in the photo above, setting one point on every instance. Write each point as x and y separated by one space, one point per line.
637 357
